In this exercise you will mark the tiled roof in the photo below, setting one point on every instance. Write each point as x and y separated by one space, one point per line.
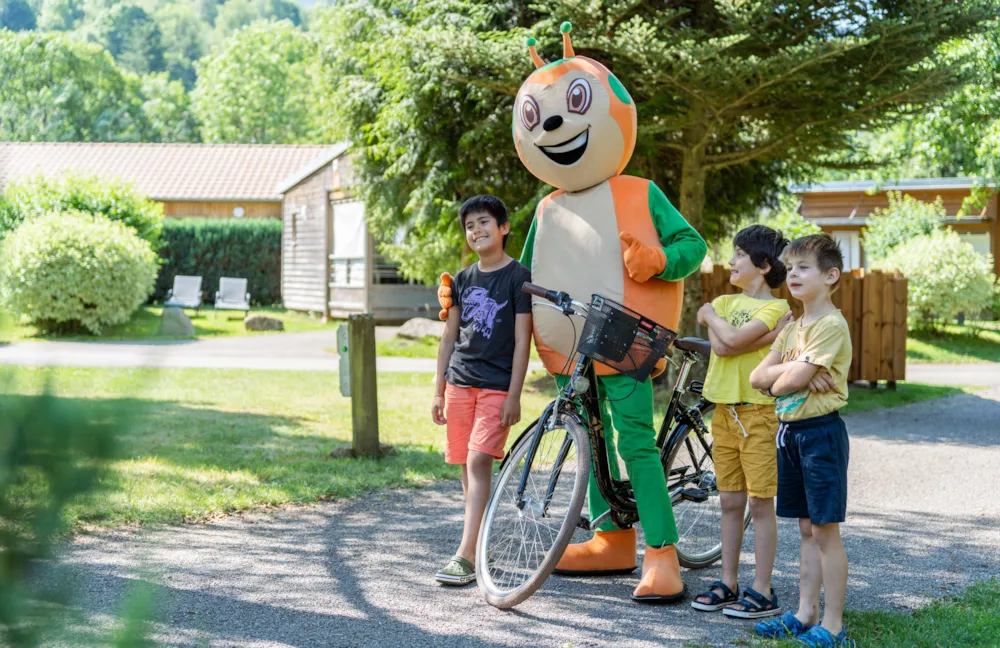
168 172
905 184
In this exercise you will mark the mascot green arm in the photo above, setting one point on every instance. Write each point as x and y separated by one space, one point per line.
683 245
529 246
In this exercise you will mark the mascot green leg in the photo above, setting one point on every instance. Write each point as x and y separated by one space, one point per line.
613 550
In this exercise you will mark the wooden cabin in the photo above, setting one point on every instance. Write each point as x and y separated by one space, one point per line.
191 180
843 208
329 259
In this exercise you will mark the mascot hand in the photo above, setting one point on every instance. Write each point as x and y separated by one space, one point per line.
642 261
444 296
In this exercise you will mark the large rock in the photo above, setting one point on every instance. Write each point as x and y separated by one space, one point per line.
419 328
176 323
263 323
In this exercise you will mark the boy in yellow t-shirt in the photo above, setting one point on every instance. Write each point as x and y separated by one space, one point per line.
741 327
806 371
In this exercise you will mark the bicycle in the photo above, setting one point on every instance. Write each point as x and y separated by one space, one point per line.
535 506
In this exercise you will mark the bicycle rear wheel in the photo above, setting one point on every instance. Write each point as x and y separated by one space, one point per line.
519 545
694 493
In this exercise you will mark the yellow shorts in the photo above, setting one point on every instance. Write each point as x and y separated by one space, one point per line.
743 449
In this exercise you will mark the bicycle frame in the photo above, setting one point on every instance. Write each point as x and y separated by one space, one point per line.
577 405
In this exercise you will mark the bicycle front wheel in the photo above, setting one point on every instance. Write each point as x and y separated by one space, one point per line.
523 536
690 472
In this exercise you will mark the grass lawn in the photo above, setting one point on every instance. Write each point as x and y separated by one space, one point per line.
969 621
204 442
145 324
423 348
955 345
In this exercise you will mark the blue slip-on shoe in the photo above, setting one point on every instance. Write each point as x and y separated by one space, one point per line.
819 637
787 625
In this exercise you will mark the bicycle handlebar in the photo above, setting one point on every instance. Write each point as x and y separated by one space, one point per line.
538 291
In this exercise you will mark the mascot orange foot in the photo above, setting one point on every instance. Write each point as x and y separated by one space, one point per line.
608 552
661 577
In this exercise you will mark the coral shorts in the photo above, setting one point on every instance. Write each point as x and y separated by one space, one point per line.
473 422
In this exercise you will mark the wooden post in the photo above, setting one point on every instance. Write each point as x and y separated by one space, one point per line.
364 397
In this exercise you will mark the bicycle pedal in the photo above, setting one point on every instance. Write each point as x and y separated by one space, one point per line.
583 523
698 495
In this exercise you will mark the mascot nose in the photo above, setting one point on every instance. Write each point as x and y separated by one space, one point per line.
552 123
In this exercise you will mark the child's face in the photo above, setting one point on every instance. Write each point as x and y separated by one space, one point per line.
483 234
742 271
806 281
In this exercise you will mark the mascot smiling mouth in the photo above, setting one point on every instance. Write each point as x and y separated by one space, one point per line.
569 151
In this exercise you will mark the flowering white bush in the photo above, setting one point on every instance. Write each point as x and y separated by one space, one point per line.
945 276
67 270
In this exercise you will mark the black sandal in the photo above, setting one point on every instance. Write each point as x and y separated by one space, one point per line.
715 602
754 605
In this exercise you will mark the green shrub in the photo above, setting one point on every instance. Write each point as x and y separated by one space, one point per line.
72 270
213 248
945 277
32 197
905 218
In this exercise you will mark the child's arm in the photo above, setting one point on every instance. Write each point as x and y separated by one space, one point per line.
767 372
738 340
797 375
510 412
445 349
722 349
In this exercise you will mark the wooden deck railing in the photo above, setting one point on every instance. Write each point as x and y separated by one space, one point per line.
874 305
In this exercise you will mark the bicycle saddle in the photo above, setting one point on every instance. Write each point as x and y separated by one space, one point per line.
694 345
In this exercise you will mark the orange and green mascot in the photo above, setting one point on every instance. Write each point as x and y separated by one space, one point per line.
574 127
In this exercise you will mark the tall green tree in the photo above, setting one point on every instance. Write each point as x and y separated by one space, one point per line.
960 136
16 15
59 89
184 38
168 111
259 87
734 98
131 35
60 15
237 14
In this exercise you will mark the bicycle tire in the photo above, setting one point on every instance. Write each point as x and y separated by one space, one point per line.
507 597
687 558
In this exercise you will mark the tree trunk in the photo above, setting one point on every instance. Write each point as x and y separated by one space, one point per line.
692 206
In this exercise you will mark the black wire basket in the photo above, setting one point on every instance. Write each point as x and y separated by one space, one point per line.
622 339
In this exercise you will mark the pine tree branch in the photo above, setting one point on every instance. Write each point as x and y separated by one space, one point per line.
724 160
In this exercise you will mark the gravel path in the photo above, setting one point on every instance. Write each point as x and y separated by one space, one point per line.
923 522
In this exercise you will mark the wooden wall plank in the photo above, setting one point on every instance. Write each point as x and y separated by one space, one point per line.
870 329
888 304
900 330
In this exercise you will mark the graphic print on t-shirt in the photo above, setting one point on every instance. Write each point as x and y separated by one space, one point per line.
739 318
482 309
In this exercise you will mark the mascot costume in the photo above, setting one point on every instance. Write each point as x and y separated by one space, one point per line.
574 127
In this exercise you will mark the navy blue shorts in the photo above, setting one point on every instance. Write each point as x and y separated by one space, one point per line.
812 469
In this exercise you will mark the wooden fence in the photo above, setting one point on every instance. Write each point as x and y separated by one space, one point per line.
874 305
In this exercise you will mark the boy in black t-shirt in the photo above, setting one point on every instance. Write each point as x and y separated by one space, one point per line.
482 361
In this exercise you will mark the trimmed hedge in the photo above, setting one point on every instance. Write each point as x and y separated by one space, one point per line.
213 248
73 270
36 196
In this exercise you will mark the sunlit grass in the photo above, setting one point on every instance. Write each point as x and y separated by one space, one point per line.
145 325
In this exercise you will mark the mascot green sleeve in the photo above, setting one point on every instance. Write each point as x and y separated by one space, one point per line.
601 232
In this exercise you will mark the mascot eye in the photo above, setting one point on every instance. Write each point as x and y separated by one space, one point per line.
578 96
529 112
